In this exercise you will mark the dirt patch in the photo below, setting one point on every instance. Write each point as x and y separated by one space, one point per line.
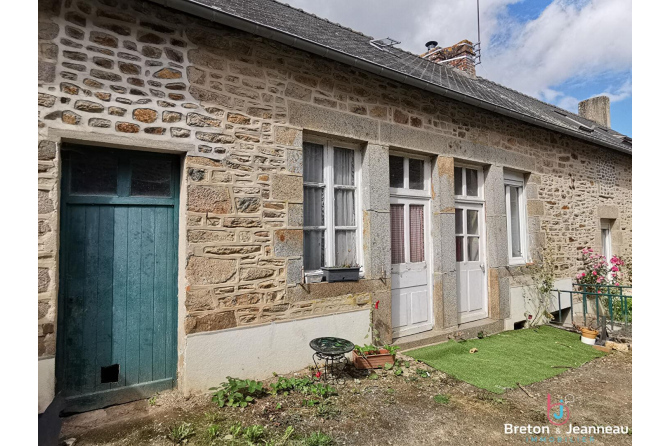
389 410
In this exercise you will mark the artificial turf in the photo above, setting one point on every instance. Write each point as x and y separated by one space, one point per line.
505 359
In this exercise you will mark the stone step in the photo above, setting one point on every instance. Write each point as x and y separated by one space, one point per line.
462 331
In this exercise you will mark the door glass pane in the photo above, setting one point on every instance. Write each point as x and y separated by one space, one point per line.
396 171
344 208
459 248
313 252
515 220
471 182
459 221
416 236
345 248
473 222
93 175
415 174
313 207
473 249
312 162
344 166
397 234
458 181
150 177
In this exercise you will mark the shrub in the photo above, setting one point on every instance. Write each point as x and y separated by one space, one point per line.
319 439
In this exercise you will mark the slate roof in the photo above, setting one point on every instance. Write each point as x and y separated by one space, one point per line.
336 38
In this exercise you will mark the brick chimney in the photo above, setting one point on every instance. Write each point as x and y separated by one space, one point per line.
596 109
461 56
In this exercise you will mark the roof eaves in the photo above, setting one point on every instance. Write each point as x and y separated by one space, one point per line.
219 16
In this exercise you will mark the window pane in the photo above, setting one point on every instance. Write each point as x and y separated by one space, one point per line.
473 222
415 174
471 182
473 249
314 255
458 181
345 248
397 233
459 221
416 246
312 162
344 166
93 175
396 171
515 219
459 248
150 177
345 214
313 207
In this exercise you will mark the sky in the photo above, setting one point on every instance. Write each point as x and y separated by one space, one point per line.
560 51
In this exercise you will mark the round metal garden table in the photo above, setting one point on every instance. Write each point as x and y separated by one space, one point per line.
332 351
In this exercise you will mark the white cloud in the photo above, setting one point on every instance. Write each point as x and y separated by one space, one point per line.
571 40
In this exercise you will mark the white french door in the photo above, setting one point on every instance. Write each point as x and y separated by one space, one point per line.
411 297
470 262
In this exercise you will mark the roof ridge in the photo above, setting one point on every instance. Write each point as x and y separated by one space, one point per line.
545 103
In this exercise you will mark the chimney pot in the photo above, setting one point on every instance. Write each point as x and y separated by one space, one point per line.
596 109
431 44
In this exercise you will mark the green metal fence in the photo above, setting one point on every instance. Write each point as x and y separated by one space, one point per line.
613 303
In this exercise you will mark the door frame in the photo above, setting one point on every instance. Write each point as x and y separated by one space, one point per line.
94 400
479 201
418 196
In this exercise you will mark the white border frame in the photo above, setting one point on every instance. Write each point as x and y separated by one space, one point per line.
516 179
405 191
329 200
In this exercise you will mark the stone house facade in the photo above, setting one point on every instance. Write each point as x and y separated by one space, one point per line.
284 159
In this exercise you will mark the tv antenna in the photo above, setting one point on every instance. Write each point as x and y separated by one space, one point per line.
477 47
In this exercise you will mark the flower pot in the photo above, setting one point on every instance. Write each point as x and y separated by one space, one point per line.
588 335
373 361
332 274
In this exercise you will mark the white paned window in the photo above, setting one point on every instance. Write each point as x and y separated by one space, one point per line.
468 183
606 238
331 205
516 218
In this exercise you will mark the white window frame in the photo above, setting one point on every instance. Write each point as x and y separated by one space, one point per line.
329 201
463 197
606 224
516 179
405 191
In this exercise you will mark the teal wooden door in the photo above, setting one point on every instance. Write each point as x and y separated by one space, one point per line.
117 311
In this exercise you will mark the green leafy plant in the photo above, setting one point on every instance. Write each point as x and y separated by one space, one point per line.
319 439
327 410
237 392
181 432
393 349
284 438
388 366
213 431
481 335
236 429
398 372
153 399
441 399
373 376
253 434
539 295
303 385
423 373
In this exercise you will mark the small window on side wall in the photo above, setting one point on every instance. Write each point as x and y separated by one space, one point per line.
515 196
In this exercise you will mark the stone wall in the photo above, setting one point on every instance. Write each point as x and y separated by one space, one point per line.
242 103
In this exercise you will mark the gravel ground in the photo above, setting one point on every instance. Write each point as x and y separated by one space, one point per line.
389 410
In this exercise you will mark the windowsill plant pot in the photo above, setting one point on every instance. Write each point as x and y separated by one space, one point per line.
372 359
341 274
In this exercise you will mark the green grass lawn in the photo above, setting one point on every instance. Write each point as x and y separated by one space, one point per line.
523 356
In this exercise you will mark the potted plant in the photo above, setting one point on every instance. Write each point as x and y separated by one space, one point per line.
344 273
589 333
372 357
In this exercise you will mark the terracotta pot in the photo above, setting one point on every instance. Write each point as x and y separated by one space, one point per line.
373 361
588 333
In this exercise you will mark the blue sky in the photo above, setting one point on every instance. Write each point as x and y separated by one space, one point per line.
559 51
